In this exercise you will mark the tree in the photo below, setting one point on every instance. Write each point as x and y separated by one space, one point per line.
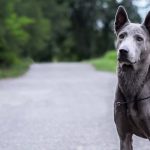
12 34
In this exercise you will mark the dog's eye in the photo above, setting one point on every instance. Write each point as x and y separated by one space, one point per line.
121 36
138 38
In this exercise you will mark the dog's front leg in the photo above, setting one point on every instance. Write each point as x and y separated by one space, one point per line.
126 142
123 129
122 123
124 132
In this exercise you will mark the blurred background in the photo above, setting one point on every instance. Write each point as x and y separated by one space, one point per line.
60 106
60 30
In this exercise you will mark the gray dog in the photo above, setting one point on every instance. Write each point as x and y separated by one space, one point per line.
132 100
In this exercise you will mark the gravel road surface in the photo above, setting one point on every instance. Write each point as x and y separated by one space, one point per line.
60 106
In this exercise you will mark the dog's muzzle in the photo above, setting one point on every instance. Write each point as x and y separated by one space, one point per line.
123 55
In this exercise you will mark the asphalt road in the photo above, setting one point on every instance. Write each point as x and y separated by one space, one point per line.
60 107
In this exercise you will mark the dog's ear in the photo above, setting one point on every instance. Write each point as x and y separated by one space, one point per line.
147 21
121 18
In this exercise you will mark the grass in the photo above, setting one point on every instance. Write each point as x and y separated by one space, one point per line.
106 63
16 70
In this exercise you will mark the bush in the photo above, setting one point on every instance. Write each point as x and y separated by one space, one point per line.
18 68
7 59
107 62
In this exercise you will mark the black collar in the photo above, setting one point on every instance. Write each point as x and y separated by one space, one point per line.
133 101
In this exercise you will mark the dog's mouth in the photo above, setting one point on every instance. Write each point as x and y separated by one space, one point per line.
125 61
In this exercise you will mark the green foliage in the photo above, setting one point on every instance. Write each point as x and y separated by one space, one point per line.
13 34
37 44
15 26
107 63
7 59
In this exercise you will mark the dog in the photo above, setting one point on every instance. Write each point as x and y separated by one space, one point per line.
132 97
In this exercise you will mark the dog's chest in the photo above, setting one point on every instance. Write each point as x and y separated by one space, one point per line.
129 85
130 81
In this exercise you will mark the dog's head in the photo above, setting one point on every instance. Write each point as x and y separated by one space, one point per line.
133 40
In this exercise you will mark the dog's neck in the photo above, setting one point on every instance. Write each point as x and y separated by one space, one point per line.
132 77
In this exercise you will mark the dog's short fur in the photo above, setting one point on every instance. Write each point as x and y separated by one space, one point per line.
133 53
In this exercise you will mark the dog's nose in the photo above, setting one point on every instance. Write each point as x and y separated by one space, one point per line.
123 54
123 51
